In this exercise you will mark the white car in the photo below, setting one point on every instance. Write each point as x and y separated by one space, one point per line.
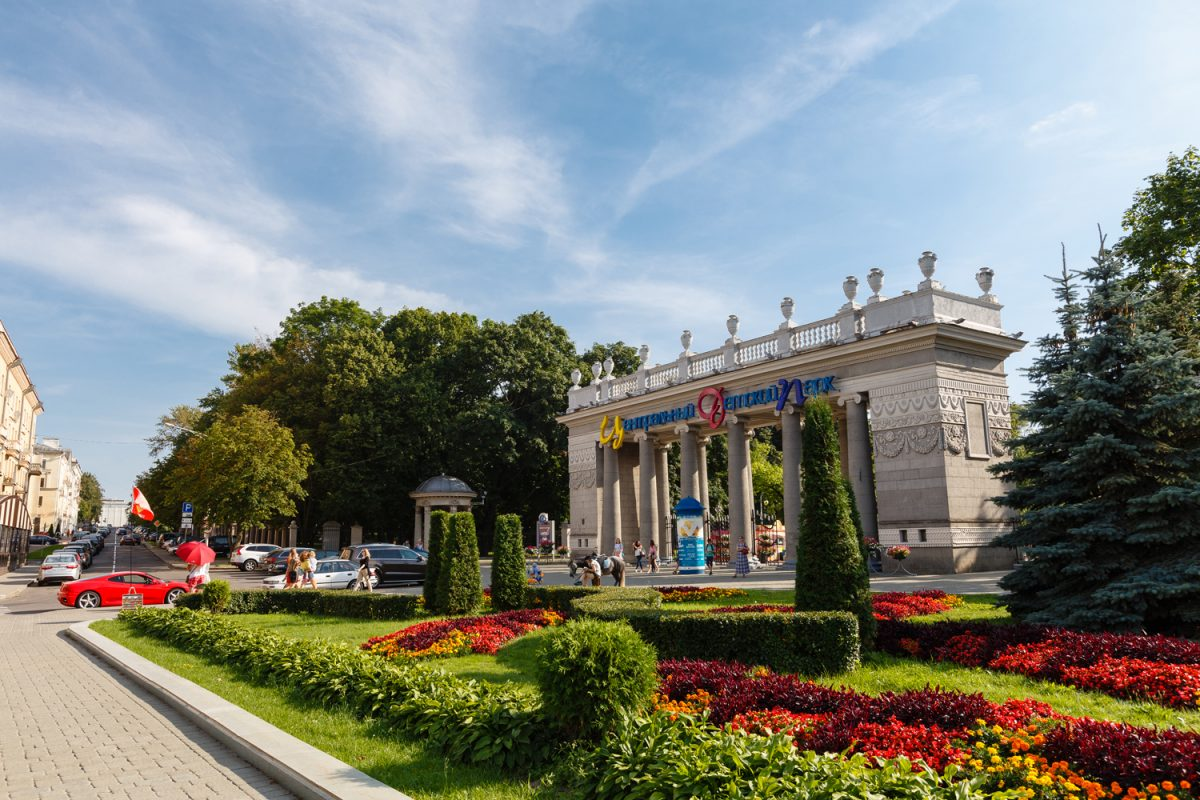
247 557
60 567
332 573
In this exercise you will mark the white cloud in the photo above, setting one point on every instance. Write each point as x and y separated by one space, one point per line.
160 256
719 117
1065 123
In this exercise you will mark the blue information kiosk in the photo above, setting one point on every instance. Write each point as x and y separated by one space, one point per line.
689 521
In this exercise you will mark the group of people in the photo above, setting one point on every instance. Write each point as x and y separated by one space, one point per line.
644 560
300 569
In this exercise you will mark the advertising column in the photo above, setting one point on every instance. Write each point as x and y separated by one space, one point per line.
689 515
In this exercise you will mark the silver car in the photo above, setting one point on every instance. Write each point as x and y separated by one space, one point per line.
59 567
331 573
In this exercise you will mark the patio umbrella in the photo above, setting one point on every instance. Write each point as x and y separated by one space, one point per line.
196 553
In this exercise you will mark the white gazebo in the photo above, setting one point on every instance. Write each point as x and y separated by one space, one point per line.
442 491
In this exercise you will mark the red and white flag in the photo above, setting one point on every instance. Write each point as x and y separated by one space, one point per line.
141 506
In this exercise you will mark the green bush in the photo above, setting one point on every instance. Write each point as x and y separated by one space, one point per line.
657 757
591 672
356 605
811 643
464 588
508 565
470 722
557 598
831 570
616 602
434 589
215 596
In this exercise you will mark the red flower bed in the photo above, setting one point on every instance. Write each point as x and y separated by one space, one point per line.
688 594
1162 669
900 605
1026 739
450 637
757 608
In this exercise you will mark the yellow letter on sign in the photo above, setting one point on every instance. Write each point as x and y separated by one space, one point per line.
616 435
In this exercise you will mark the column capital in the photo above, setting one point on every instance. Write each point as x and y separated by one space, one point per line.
853 397
642 436
683 428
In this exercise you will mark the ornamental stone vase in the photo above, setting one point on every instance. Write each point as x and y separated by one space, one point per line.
685 339
875 280
731 325
596 372
644 354
576 375
608 366
984 278
786 307
850 287
928 263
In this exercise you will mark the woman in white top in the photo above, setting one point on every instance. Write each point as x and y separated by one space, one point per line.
197 576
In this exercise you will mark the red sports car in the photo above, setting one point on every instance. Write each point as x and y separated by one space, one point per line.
107 590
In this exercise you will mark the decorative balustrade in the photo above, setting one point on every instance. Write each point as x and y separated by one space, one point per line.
930 303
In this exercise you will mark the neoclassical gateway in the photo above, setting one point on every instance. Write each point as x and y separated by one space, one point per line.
918 386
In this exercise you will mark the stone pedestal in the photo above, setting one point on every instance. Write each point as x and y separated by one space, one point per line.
331 535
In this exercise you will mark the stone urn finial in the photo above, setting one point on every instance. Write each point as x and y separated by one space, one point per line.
928 263
576 375
984 278
850 287
644 354
875 281
786 307
685 339
596 372
731 325
608 366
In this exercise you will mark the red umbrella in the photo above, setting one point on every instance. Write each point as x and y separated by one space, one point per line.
196 553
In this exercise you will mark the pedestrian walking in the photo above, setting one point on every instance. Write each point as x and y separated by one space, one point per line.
742 565
308 569
197 576
639 555
618 549
364 570
291 570
653 557
710 556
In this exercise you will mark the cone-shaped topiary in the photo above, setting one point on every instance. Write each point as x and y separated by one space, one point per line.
508 565
831 574
433 589
464 589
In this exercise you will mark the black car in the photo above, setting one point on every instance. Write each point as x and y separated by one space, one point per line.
219 544
394 563
85 552
41 540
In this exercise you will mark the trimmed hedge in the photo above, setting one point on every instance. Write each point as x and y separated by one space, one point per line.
358 605
810 642
468 721
508 565
432 589
557 598
616 602
464 585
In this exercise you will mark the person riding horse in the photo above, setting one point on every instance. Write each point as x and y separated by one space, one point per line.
609 565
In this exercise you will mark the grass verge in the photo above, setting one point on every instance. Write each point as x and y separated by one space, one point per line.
367 746
42 552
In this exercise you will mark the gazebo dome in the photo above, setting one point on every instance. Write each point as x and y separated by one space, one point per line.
445 486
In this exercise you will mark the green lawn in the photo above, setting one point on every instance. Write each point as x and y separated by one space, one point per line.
405 765
42 552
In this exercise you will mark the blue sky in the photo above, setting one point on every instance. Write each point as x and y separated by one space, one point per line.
178 175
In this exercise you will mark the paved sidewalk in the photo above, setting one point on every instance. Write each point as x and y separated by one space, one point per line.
70 729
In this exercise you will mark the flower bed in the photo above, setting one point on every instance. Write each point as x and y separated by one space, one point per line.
688 594
1161 669
1019 743
456 637
901 605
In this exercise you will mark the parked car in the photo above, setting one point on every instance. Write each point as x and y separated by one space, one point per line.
331 573
395 563
247 557
275 562
107 590
84 552
41 540
219 544
59 567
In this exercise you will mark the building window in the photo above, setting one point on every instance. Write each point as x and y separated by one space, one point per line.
977 431
921 537
904 534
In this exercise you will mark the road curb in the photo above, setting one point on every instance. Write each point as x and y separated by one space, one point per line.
297 766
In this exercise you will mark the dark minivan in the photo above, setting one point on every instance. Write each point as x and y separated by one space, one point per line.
393 563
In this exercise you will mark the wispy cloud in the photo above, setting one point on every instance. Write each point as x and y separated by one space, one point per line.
720 116
1063 124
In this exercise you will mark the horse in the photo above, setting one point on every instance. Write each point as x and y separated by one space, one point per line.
611 565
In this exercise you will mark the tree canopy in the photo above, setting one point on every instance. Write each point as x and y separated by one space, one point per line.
91 498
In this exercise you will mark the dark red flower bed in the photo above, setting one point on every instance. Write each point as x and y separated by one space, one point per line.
938 726
901 605
1162 669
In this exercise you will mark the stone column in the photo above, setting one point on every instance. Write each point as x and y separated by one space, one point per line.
293 529
702 463
610 527
417 524
426 524
793 454
689 465
739 463
662 530
647 491
858 452
356 532
331 535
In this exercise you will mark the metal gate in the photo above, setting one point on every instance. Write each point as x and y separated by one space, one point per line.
15 527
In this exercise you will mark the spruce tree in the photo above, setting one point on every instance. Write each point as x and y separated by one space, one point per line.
464 589
508 565
1106 477
433 589
831 574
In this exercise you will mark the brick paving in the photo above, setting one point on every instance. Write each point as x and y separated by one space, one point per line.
70 728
